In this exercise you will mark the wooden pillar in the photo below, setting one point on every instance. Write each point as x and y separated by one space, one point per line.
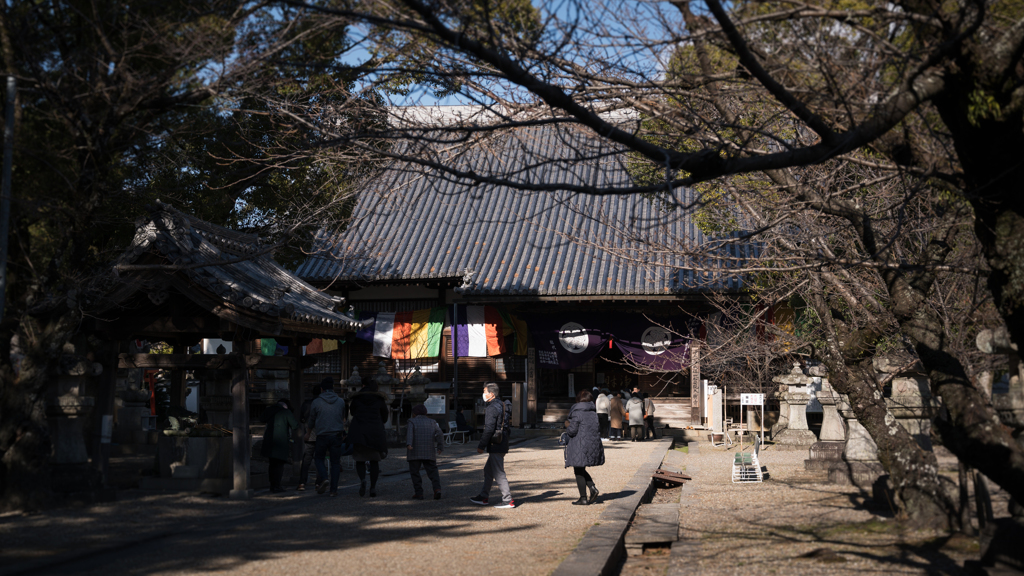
241 447
105 406
531 386
296 397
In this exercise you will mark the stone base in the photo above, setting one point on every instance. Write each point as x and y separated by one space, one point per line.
812 464
822 455
800 438
860 474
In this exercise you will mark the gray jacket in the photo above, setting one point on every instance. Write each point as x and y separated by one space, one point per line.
635 409
424 435
327 414
649 407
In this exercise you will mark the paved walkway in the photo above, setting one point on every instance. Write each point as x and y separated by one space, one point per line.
311 534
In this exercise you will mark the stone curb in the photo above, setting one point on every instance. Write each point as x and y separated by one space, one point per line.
604 544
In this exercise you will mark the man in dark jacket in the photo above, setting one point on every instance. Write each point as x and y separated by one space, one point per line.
327 418
496 419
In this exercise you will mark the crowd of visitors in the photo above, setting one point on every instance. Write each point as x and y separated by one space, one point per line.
597 416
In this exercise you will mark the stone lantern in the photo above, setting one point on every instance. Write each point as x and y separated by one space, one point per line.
798 393
383 380
418 382
354 382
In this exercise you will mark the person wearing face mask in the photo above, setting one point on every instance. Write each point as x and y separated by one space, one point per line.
496 421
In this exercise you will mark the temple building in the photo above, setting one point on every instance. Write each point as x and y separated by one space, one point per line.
545 292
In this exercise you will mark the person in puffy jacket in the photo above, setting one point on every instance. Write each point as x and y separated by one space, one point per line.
584 447
635 410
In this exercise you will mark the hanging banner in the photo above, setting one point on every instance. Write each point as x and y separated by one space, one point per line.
566 341
480 331
657 344
404 335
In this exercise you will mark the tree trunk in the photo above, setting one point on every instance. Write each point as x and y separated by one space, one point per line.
24 431
922 498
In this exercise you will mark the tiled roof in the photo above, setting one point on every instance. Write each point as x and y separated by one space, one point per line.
414 224
225 271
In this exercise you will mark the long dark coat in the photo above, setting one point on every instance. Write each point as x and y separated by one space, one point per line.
277 436
584 447
615 412
369 410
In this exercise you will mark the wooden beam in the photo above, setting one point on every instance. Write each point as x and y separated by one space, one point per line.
213 361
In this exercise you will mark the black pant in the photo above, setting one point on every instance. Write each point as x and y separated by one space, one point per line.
636 433
374 472
329 443
650 433
583 479
604 424
417 480
276 472
616 433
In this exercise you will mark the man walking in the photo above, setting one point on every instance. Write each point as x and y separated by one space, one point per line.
327 418
496 421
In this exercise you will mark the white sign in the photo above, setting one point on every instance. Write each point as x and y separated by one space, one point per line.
751 399
712 389
435 404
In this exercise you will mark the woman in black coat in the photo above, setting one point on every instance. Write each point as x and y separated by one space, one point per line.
584 447
369 410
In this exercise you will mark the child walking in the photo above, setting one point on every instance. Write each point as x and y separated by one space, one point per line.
422 436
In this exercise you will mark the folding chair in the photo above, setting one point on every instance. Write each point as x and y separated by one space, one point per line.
453 430
745 465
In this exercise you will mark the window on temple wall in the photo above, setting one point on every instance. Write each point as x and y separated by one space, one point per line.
427 365
326 363
510 364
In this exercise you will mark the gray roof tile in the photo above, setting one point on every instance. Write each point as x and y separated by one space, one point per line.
412 224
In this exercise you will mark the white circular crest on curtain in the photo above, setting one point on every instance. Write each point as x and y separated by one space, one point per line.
573 337
656 340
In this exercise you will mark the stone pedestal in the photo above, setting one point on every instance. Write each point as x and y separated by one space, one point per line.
783 421
828 451
860 465
912 404
832 429
796 435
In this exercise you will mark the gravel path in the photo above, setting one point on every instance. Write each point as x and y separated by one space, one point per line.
315 534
